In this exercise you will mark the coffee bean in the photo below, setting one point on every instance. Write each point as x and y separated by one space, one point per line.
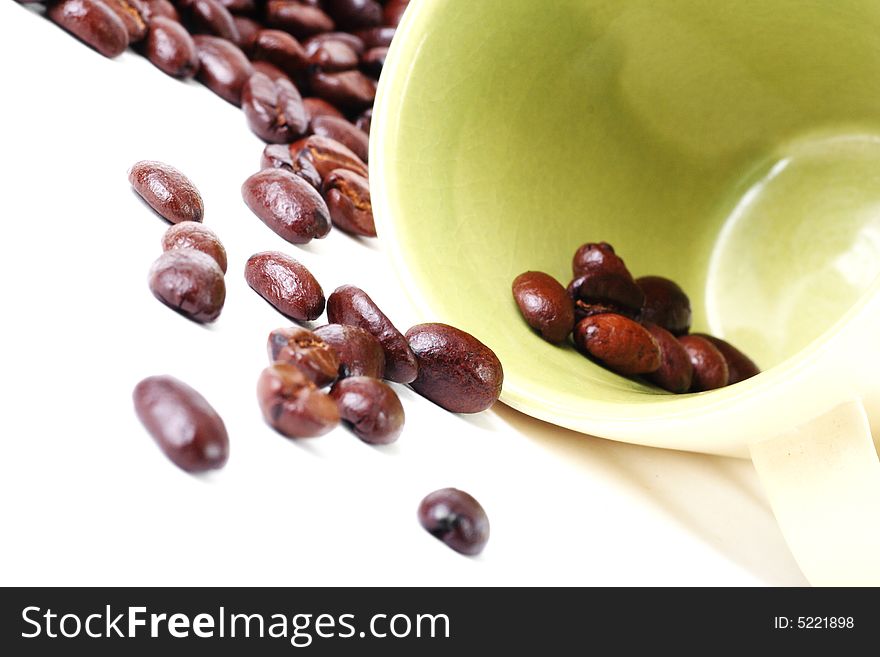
365 120
665 304
190 282
393 11
348 90
710 367
345 133
167 191
293 405
171 49
277 156
332 55
274 109
354 14
584 309
740 367
545 305
376 37
370 408
287 204
456 371
348 200
154 8
360 354
248 29
327 155
191 235
457 519
93 22
315 108
132 14
282 50
352 306
305 350
298 19
619 343
676 371
373 61
183 423
286 284
600 275
210 17
224 68
352 41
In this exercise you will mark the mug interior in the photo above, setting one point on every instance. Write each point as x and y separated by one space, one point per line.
732 147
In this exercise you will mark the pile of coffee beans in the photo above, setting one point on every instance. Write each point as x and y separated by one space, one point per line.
635 327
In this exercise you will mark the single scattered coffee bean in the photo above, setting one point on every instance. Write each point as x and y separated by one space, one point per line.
376 37
287 204
740 367
171 49
332 55
293 405
189 282
299 19
373 61
274 109
192 235
352 306
282 50
305 350
393 11
224 68
315 108
154 8
348 200
327 155
456 371
354 14
544 305
248 30
365 120
348 90
182 422
676 372
286 284
278 156
621 344
210 17
360 354
665 304
710 367
457 519
370 408
349 39
167 191
132 14
92 22
345 133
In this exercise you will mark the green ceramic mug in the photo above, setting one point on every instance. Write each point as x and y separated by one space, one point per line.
731 146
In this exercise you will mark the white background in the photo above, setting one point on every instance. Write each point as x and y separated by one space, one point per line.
87 498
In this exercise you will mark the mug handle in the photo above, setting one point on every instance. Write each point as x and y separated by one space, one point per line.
823 482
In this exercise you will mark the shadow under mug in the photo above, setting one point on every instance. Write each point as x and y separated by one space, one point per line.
732 147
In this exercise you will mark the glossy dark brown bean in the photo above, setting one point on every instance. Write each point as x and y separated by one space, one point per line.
360 354
373 61
305 350
327 155
393 12
132 14
348 200
191 235
167 191
182 422
154 8
286 284
293 405
282 50
299 19
457 519
370 408
352 306
600 275
676 372
352 41
332 55
710 367
210 17
345 133
274 109
278 156
92 22
365 120
189 282
224 68
351 90
354 14
456 371
248 29
545 305
287 204
619 343
740 367
665 304
171 49
316 107
376 37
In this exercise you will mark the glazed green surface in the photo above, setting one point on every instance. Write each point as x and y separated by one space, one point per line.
731 146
